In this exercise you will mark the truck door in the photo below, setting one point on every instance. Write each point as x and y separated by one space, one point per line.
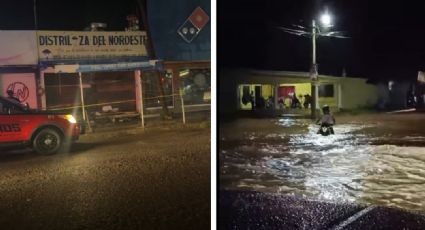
10 130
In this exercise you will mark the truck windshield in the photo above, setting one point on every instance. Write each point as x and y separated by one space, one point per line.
8 106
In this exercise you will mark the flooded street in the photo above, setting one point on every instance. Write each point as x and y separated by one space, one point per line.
371 159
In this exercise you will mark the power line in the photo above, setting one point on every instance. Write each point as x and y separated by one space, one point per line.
302 31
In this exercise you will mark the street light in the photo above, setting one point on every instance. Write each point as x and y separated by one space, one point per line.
326 22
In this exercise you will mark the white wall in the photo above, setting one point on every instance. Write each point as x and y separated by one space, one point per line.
18 48
23 86
356 93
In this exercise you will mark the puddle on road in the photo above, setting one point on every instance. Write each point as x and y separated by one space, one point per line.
287 156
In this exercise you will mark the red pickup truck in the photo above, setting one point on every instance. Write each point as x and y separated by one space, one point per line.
44 131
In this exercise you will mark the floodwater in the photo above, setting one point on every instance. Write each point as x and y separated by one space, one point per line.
372 159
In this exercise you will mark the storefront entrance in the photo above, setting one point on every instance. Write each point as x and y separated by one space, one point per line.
261 96
103 91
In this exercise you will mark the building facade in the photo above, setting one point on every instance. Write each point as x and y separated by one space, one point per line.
181 36
74 69
281 86
19 66
91 73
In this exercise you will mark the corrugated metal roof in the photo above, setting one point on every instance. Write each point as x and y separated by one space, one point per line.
289 76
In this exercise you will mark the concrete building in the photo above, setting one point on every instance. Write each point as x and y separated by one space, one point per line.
337 92
181 37
66 69
19 66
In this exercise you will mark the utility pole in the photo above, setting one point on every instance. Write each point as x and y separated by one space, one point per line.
315 32
314 74
35 15
151 53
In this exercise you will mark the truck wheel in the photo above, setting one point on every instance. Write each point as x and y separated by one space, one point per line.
47 141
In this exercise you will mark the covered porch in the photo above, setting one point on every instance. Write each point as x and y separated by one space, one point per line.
287 95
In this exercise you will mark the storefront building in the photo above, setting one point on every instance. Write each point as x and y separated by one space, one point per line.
111 71
183 41
96 73
18 66
281 87
88 73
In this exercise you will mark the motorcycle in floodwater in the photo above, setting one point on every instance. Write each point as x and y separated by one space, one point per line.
326 130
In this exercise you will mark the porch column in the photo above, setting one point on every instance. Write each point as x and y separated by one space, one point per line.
139 95
276 94
43 91
316 92
176 88
138 83
339 90
238 98
38 88
83 109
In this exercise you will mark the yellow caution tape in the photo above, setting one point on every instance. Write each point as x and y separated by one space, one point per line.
54 108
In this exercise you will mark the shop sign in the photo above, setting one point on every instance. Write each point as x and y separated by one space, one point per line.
193 25
107 67
114 67
18 48
66 45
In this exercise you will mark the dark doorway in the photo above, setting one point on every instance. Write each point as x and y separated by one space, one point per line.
257 91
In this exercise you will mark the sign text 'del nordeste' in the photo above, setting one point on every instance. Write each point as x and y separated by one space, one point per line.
57 45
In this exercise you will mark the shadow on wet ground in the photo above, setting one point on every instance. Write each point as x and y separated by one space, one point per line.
90 141
10 155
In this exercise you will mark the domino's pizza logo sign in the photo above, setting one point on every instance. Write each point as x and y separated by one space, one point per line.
190 29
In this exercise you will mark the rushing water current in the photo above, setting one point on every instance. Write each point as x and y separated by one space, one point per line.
371 162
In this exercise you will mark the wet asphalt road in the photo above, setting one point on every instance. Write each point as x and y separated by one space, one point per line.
133 179
254 210
277 173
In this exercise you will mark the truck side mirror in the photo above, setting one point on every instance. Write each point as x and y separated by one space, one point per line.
26 106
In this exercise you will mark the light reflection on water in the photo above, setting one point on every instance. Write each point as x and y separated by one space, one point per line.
289 157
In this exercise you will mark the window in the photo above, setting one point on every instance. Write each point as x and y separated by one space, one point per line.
152 86
326 90
7 107
100 89
2 109
196 86
62 90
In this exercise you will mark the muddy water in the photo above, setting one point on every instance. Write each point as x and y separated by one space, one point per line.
373 159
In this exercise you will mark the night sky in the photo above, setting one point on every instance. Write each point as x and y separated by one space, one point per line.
65 15
387 38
